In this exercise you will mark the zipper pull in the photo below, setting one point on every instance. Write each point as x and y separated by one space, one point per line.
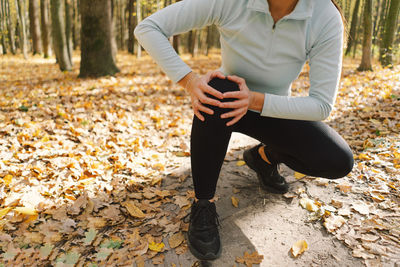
273 27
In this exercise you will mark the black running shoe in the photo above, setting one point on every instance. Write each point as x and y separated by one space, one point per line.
203 236
267 174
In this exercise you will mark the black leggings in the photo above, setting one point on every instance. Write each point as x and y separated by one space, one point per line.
309 147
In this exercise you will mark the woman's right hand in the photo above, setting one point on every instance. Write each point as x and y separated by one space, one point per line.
198 86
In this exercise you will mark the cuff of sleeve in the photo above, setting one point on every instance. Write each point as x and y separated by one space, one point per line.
176 77
267 99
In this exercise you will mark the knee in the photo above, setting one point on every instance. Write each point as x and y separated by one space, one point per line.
342 164
222 85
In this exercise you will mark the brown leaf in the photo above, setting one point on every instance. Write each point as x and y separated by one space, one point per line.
133 210
176 239
250 259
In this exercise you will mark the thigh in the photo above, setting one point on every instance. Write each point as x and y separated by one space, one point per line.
312 144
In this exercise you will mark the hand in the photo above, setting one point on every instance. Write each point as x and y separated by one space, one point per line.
198 87
240 106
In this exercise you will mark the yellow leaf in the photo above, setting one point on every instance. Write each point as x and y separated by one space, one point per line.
240 163
133 210
45 139
3 212
299 247
363 156
308 204
26 210
7 179
298 175
235 202
156 246
32 218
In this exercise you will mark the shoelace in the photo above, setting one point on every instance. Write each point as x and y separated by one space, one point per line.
205 219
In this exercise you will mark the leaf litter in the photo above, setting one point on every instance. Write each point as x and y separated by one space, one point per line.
83 161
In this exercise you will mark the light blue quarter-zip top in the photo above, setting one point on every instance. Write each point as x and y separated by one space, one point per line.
268 55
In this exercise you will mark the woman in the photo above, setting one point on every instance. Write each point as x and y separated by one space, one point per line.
264 45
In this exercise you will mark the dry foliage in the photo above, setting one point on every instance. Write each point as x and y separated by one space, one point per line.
83 161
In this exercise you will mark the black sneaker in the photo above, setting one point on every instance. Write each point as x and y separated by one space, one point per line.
203 236
267 174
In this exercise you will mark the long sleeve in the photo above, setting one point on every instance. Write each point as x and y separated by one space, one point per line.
325 60
154 31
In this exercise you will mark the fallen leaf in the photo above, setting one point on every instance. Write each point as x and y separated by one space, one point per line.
333 222
7 179
240 163
133 210
3 212
299 175
159 259
26 210
308 204
250 259
156 246
235 201
176 239
90 235
298 248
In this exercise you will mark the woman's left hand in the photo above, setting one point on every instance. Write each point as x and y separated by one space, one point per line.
240 106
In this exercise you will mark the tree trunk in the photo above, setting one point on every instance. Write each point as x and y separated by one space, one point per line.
20 6
96 36
176 44
44 10
194 42
35 27
3 33
58 33
75 25
367 39
131 27
10 26
353 27
208 40
375 27
139 19
68 28
386 51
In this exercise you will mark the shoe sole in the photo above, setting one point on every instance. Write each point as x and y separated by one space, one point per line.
197 254
247 157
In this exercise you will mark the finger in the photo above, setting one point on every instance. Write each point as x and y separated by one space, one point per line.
217 74
198 115
233 121
212 91
233 113
236 79
207 100
233 94
234 104
205 109
208 89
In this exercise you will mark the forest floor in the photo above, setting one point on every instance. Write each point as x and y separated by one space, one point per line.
96 172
